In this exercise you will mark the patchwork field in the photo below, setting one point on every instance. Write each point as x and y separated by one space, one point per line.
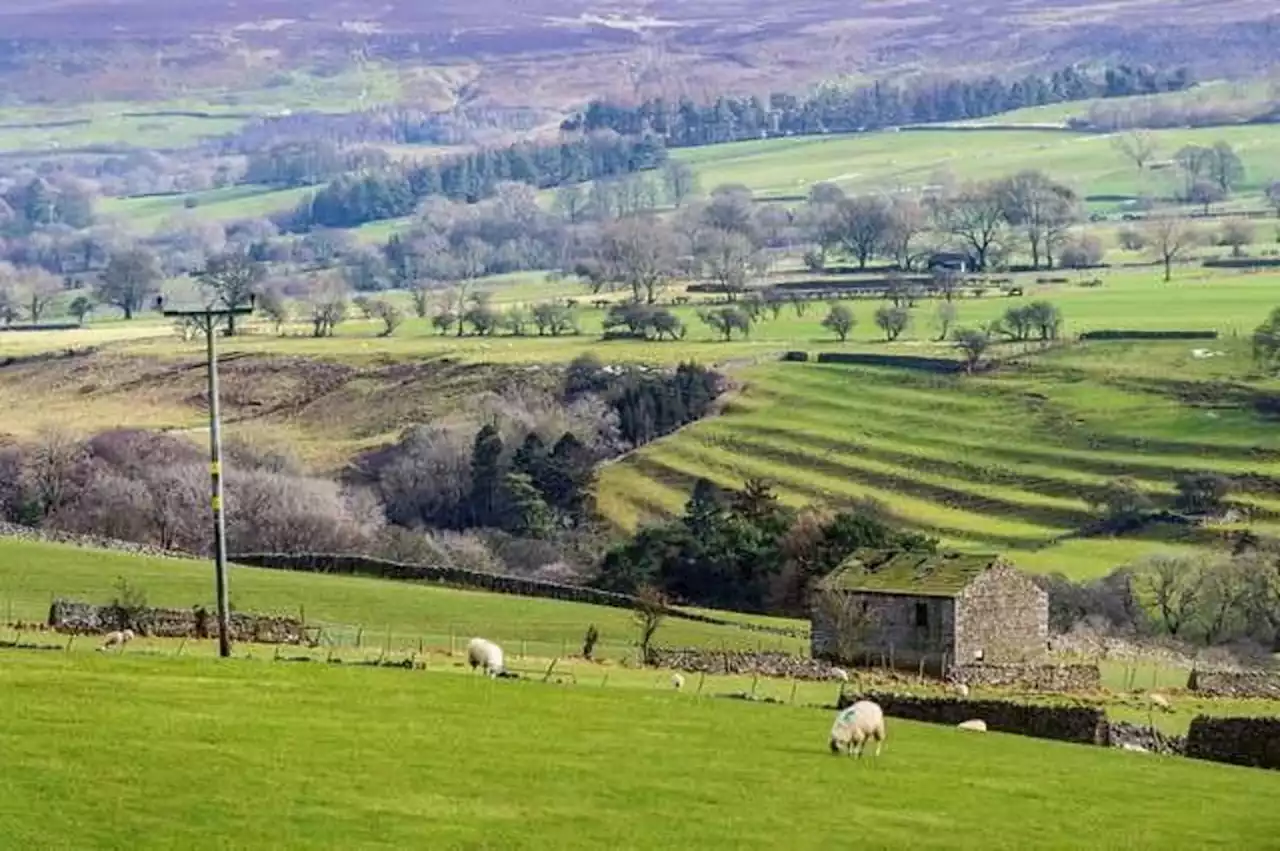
1003 462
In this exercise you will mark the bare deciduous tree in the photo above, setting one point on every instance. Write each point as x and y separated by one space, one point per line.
129 281
231 279
1169 237
650 611
976 216
849 622
1137 146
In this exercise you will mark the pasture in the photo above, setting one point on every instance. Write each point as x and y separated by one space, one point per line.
1005 462
916 158
104 751
412 615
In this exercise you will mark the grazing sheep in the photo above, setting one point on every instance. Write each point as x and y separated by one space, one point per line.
118 638
853 726
840 674
961 689
482 653
1160 702
677 681
976 725
1134 748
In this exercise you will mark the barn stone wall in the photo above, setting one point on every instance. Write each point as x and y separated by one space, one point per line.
894 633
1001 616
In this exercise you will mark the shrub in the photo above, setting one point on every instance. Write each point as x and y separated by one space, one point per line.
796 356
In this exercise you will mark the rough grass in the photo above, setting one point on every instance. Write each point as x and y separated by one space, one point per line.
1003 462
253 754
32 574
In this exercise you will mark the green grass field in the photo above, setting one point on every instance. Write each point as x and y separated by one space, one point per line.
32 574
888 160
105 752
150 213
1002 462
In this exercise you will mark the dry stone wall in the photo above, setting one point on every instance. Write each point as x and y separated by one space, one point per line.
1081 724
77 618
765 664
1240 741
1255 684
1030 677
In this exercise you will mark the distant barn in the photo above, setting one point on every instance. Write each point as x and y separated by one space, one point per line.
936 609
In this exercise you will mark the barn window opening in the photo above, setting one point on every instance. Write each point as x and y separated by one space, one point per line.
922 614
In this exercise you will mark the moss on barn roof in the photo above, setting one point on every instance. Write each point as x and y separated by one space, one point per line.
914 573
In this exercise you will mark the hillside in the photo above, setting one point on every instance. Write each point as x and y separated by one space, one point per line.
1006 462
555 52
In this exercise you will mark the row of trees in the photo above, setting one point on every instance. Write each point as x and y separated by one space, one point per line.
832 109
745 550
356 199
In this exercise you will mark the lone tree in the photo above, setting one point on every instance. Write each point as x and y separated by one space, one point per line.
1137 146
840 321
232 279
1121 503
1236 234
726 320
81 306
388 314
893 321
850 622
1169 238
974 344
1273 195
129 280
1174 585
649 613
39 290
1201 493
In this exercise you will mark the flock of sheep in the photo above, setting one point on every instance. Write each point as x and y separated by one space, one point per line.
853 728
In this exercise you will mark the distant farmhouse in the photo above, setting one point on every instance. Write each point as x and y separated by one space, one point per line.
937 609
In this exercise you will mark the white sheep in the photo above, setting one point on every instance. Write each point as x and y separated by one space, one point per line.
840 674
677 681
962 690
853 726
118 638
976 725
1160 702
482 653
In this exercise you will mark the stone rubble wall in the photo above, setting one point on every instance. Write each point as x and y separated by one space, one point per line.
1245 684
67 616
694 660
1122 733
1028 677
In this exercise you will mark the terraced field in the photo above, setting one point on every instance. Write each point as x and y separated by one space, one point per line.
1003 462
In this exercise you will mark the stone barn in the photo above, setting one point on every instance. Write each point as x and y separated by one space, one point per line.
908 608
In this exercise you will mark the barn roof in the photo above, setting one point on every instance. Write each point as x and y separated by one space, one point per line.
908 573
